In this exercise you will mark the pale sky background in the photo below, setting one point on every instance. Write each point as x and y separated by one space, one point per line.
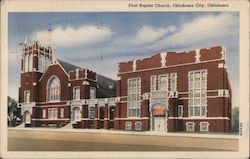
99 41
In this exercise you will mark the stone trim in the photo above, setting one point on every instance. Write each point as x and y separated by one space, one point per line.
178 65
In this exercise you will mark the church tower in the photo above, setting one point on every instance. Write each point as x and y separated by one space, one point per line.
34 62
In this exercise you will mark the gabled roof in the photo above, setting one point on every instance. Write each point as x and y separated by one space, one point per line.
67 66
107 86
105 89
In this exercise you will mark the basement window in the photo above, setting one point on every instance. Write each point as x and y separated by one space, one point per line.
190 126
128 126
204 126
138 125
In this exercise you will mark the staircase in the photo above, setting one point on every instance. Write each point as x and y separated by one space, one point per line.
20 126
68 126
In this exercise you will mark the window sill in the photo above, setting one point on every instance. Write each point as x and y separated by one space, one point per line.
54 101
134 117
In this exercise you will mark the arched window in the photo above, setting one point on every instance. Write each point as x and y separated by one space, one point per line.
53 89
26 63
30 62
41 63
46 62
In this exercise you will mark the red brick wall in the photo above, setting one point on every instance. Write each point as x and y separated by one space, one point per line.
145 124
27 80
62 76
215 125
180 58
217 78
125 66
148 62
214 82
210 54
39 111
81 74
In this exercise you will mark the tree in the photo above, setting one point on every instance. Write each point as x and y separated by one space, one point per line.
12 112
235 119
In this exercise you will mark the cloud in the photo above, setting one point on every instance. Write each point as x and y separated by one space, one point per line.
200 30
203 31
69 36
148 34
14 64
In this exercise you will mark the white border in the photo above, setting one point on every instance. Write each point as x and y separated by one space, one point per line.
111 5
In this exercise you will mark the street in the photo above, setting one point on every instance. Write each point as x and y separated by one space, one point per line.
36 140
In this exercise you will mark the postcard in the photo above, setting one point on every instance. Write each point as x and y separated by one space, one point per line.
124 79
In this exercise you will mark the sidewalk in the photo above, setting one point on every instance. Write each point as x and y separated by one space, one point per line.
146 133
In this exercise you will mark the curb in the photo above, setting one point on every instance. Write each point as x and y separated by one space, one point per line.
144 133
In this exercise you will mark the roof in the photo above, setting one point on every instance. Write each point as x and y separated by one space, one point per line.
107 87
67 66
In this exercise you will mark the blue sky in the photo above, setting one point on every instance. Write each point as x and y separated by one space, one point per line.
99 41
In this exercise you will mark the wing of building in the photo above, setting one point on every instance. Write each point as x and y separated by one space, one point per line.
169 91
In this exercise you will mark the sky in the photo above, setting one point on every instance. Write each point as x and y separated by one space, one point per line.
99 41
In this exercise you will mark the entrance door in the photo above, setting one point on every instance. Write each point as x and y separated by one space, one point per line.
159 123
101 117
111 117
27 117
76 114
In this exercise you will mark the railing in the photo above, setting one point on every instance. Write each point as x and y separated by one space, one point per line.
159 94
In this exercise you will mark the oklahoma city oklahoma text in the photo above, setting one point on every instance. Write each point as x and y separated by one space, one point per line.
166 5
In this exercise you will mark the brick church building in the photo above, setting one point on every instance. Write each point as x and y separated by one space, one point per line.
169 91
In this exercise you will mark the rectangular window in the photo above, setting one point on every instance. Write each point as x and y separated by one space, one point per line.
197 93
91 113
62 113
26 62
52 113
204 126
163 82
128 126
190 126
197 111
180 111
44 113
26 96
134 97
92 93
46 62
138 125
76 93
173 82
203 111
30 62
153 83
